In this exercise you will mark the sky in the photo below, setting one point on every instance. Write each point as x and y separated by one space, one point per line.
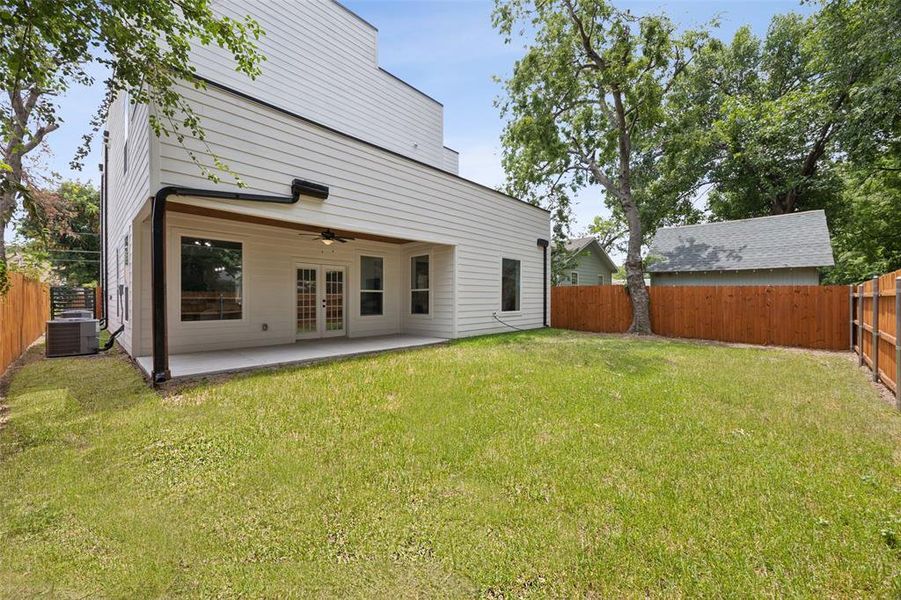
449 50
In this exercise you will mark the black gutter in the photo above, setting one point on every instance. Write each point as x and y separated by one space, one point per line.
543 244
294 115
160 372
104 210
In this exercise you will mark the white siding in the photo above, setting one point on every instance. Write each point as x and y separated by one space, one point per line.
321 63
372 191
451 161
270 257
127 191
806 276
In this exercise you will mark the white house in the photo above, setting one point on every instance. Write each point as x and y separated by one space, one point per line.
586 263
353 221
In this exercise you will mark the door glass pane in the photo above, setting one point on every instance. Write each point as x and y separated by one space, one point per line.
306 300
334 300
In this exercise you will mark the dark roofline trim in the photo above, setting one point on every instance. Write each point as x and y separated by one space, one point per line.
409 85
386 71
451 149
356 16
294 115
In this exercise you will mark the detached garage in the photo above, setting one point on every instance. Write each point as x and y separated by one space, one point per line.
778 250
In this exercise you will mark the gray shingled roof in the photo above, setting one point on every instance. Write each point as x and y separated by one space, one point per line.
576 245
783 241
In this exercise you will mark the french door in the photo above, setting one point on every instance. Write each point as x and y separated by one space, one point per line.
320 301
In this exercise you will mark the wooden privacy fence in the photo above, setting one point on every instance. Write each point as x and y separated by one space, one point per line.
875 327
23 312
806 316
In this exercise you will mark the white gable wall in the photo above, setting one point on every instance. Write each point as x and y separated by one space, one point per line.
322 63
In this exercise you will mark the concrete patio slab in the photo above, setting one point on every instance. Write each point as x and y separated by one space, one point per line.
198 364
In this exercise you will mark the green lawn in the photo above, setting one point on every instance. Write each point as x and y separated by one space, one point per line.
545 464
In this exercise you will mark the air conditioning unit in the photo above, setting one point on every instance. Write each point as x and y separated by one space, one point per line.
76 313
72 337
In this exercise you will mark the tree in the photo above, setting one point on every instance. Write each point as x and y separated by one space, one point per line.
585 105
764 124
866 229
45 48
64 232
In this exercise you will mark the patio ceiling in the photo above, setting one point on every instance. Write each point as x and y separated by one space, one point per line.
214 213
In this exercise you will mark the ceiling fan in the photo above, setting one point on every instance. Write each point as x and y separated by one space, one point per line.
329 237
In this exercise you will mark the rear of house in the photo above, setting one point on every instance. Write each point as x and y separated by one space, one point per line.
352 221
778 250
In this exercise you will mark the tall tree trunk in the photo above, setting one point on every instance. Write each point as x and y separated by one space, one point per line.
638 292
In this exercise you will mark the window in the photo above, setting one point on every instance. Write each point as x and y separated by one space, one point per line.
126 302
118 287
574 278
600 279
419 285
125 249
372 286
211 274
126 118
509 285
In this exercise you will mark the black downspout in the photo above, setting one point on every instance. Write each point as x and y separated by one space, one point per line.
104 210
544 244
160 372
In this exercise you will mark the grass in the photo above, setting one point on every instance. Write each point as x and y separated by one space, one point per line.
544 464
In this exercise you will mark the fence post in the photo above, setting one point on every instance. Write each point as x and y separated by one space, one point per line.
851 317
875 328
898 342
860 325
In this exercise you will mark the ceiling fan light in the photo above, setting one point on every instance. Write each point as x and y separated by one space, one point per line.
328 241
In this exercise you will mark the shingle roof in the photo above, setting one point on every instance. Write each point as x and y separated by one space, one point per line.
576 245
782 241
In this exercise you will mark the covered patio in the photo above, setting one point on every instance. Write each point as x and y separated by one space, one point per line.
200 364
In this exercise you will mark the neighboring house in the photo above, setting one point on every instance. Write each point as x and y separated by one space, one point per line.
331 147
588 263
778 250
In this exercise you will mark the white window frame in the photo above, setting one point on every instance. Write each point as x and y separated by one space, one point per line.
574 278
360 258
175 293
518 286
601 279
411 289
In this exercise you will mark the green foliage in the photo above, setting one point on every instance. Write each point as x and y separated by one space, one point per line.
63 231
145 45
46 48
762 125
585 107
547 464
867 225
